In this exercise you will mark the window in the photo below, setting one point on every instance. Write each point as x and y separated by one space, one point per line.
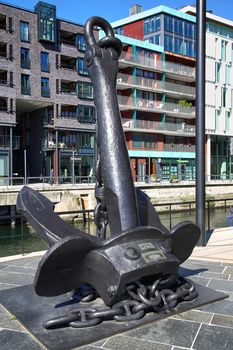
227 120
228 74
178 26
25 84
189 48
223 50
224 92
11 79
137 140
86 114
157 39
81 42
82 69
188 29
44 61
24 58
85 90
45 89
168 25
178 45
24 31
46 21
217 72
168 42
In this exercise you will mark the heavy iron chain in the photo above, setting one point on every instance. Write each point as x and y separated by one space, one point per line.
161 296
100 213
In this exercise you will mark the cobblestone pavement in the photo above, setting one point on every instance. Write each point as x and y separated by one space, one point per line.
206 328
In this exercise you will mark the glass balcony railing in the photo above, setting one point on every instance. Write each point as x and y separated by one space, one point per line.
159 65
159 126
25 64
155 106
151 84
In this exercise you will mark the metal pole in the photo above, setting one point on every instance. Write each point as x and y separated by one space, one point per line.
11 156
200 119
25 166
57 173
73 168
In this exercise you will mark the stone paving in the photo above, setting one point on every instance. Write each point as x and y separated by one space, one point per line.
206 328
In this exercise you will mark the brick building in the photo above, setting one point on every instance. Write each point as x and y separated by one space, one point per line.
46 99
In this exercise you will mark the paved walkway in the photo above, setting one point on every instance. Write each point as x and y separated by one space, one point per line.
207 328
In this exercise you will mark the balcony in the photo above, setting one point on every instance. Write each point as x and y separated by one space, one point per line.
67 38
68 62
68 87
126 81
86 151
127 59
158 127
171 147
5 142
173 109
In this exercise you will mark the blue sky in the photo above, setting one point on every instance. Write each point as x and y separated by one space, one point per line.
80 10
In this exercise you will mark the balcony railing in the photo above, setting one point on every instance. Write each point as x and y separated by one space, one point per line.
5 142
156 106
74 115
67 42
68 91
86 150
171 147
158 126
159 65
151 84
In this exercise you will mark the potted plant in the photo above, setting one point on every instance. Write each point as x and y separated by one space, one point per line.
174 179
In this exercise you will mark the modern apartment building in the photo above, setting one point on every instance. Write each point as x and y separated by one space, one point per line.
46 98
156 88
219 94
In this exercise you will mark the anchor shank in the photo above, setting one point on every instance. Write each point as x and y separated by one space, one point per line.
119 192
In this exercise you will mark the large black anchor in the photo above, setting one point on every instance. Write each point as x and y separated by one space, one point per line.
139 245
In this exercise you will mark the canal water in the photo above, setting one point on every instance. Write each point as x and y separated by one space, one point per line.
22 240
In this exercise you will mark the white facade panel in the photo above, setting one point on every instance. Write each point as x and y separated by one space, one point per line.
210 45
210 118
228 98
218 96
228 51
217 48
223 73
210 69
210 94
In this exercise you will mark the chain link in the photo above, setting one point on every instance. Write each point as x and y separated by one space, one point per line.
100 212
162 295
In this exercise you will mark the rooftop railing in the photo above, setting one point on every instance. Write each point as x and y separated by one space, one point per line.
171 147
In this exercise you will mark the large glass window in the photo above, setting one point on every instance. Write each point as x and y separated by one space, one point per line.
46 21
168 23
45 89
24 31
82 69
81 42
157 39
188 29
85 90
24 58
151 25
25 84
189 48
86 114
178 26
44 61
168 42
178 45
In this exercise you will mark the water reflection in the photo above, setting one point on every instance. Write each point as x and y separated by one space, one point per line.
21 240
